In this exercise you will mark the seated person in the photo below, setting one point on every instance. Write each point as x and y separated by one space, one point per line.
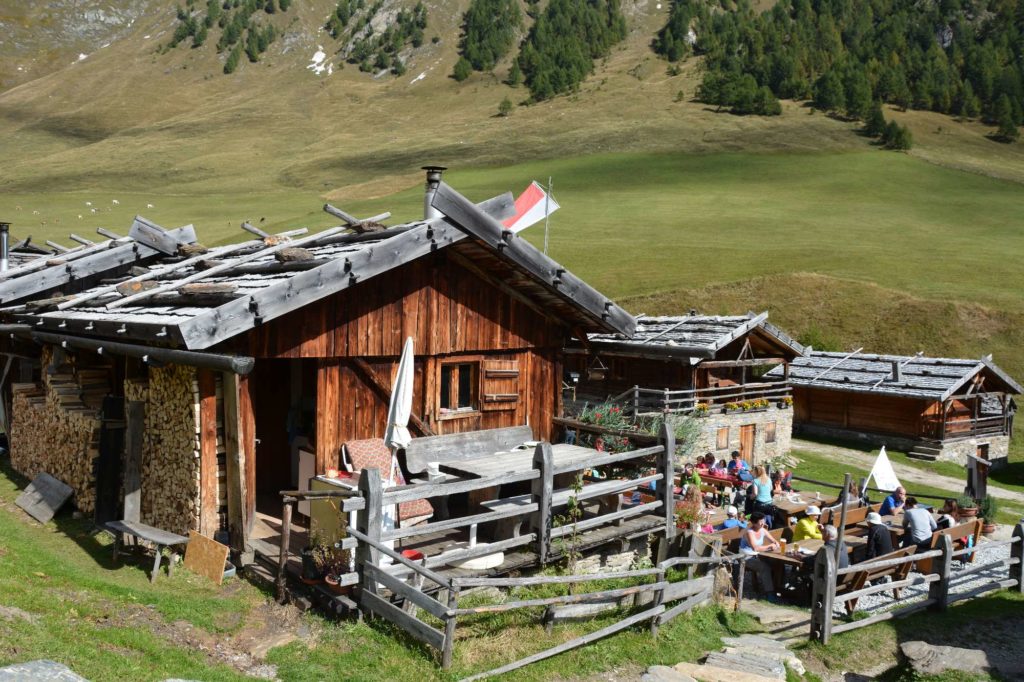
948 515
777 483
808 527
736 464
720 469
918 525
732 519
894 503
831 537
689 477
879 542
755 540
702 464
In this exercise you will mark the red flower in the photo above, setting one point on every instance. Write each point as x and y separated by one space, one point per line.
597 415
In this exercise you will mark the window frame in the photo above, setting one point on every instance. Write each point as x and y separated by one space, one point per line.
444 413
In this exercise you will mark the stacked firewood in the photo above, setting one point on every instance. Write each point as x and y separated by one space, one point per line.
55 427
170 456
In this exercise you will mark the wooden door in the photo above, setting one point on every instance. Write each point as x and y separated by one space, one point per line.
747 442
981 480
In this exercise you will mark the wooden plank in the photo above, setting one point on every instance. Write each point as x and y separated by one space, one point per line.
135 415
459 446
235 464
205 556
587 524
159 239
542 490
43 497
552 579
208 503
684 606
247 450
878 618
383 391
413 626
583 598
460 522
571 644
328 411
686 588
406 591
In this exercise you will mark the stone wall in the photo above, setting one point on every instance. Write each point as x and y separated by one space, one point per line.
707 441
615 556
957 450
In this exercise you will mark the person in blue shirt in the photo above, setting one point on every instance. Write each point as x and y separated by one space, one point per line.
736 465
732 519
894 502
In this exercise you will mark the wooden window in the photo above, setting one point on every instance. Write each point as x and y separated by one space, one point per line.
499 384
769 432
723 438
458 388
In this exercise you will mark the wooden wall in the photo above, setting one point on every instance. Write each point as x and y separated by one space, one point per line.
859 411
451 314
624 373
443 306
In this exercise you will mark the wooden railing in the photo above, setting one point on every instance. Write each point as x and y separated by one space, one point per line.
939 581
739 397
941 429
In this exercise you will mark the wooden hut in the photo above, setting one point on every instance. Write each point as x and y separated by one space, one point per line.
710 367
934 408
218 366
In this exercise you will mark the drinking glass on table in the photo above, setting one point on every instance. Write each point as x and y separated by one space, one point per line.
782 545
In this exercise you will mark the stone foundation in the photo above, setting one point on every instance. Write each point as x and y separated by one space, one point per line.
615 556
957 450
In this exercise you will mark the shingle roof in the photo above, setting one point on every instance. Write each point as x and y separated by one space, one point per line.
695 336
254 287
920 377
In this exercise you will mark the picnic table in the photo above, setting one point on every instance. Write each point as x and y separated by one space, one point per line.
800 555
516 461
791 504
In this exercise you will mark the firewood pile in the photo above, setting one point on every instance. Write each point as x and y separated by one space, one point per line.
55 426
170 449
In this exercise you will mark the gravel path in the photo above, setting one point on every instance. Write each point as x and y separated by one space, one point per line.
905 472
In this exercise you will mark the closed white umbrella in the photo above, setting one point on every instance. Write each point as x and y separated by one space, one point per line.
397 435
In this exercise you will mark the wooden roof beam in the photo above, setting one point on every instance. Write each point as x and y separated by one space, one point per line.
836 364
492 233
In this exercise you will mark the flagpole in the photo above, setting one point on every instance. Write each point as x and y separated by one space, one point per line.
547 215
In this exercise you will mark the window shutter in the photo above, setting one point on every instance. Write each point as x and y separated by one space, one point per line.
499 384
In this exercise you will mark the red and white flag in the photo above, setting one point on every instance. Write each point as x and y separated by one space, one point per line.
532 206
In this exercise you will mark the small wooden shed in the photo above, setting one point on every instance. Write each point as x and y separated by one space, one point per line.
934 408
226 363
710 367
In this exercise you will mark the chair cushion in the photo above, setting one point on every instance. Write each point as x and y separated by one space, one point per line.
373 453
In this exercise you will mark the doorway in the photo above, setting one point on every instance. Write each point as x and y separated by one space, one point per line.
747 442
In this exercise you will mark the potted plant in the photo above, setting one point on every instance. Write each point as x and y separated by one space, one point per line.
987 510
315 558
967 506
785 403
701 409
337 565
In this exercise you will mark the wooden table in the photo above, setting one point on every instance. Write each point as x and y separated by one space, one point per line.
778 561
516 461
789 508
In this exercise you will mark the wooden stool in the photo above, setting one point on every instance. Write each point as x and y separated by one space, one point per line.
159 538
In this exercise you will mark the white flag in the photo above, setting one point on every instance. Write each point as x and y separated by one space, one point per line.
882 472
532 206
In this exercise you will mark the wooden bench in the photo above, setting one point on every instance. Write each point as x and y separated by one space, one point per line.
851 582
458 447
970 529
140 531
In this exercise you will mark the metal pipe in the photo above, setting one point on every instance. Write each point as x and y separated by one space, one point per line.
239 364
434 174
5 250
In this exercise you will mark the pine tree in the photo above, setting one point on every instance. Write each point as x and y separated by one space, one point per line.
232 62
284 4
462 69
505 108
828 92
515 74
874 125
1007 131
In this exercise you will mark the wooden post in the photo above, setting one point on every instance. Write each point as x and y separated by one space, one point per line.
449 626
659 598
939 590
542 490
636 400
741 566
246 449
1017 552
135 415
282 562
666 399
208 506
842 518
328 413
236 463
823 596
369 524
666 489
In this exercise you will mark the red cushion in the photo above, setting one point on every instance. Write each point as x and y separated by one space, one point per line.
373 453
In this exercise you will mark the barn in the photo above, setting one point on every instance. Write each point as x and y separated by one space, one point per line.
933 408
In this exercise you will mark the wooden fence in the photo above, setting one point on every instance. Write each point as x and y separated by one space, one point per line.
641 401
939 581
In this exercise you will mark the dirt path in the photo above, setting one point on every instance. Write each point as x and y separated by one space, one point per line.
907 474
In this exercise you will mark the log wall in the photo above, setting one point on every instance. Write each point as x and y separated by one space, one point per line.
55 426
859 412
171 447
